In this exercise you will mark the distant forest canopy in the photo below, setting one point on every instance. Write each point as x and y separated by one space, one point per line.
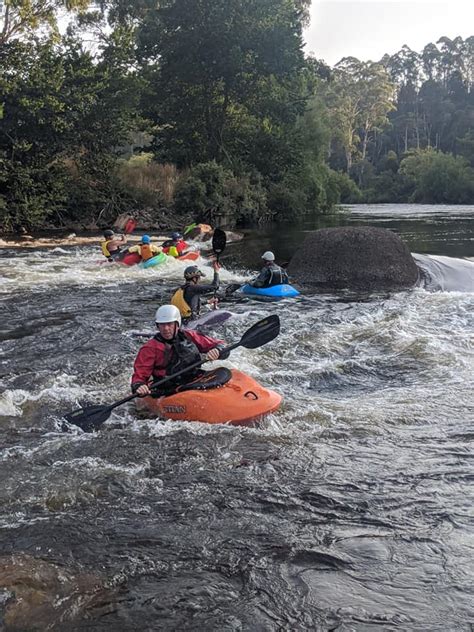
210 109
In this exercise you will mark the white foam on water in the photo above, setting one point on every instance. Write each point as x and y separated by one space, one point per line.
81 266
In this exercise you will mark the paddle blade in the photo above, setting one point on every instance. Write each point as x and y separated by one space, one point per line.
130 226
90 418
261 333
189 228
219 240
233 287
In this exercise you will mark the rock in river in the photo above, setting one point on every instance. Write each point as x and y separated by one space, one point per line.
356 258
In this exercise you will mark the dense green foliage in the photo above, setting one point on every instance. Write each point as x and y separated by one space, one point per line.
413 151
235 122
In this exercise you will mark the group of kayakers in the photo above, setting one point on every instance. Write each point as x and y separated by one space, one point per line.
113 246
174 348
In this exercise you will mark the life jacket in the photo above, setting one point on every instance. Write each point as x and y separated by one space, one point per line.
105 248
277 276
172 251
183 353
178 301
146 252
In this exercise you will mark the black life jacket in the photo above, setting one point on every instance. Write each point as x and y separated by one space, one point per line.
182 353
278 276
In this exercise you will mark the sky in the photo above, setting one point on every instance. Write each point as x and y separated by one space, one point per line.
367 29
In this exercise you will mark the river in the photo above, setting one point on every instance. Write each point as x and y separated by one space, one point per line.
348 509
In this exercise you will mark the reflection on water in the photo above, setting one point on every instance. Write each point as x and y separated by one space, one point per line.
427 229
349 509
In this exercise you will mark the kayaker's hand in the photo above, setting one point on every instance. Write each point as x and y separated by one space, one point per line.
216 265
143 390
213 302
213 354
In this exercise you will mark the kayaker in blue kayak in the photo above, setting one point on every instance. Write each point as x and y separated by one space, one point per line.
187 298
171 350
146 249
271 273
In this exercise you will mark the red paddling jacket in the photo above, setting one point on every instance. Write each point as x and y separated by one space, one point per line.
159 357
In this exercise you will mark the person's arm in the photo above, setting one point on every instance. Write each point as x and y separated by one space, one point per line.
143 367
156 249
205 288
134 249
262 278
203 343
115 243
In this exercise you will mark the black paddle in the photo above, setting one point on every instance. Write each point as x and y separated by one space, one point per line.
92 417
232 287
219 240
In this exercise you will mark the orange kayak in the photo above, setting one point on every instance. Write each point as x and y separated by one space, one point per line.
189 256
240 402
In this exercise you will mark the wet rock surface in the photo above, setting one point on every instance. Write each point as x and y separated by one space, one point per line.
356 258
39 595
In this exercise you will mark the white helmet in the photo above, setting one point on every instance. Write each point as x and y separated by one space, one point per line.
268 256
168 314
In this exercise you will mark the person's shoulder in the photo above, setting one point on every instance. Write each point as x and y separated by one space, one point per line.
190 333
193 335
152 343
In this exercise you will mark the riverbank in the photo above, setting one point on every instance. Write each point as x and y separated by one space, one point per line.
29 241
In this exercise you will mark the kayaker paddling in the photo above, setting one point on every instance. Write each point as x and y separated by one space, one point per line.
271 273
146 249
175 246
112 244
187 298
171 350
271 276
213 410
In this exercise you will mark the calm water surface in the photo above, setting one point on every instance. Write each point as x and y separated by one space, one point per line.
348 509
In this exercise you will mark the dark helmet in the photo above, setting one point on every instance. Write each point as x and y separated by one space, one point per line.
108 233
191 272
176 236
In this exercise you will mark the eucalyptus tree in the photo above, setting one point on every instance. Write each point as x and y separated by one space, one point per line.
25 17
430 58
360 99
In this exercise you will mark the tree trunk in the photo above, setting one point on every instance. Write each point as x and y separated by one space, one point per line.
348 160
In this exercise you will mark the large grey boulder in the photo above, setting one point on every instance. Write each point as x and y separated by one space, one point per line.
357 258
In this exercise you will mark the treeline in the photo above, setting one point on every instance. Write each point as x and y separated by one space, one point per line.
210 108
406 124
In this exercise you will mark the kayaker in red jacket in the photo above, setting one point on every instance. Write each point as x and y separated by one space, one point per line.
171 350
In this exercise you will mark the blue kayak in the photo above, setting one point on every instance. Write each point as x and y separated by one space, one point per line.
275 291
